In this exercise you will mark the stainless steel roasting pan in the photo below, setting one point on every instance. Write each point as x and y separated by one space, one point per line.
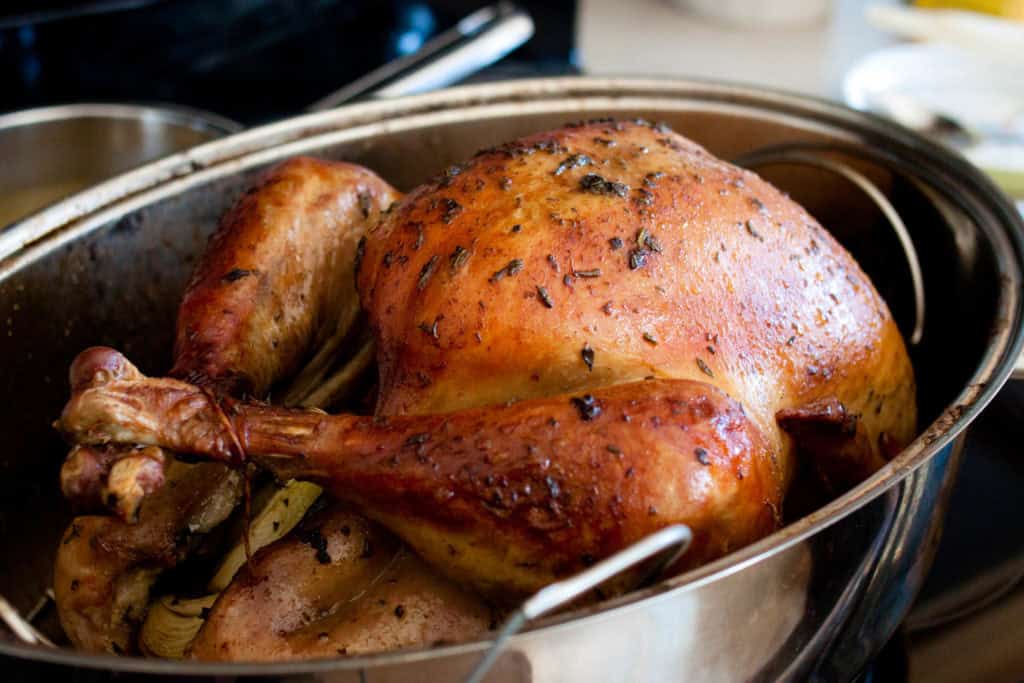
815 600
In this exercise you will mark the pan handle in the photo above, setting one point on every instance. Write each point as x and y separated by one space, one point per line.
668 545
478 40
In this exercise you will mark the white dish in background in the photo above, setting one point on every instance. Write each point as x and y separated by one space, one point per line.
984 95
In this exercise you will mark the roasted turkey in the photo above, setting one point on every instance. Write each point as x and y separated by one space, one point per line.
581 336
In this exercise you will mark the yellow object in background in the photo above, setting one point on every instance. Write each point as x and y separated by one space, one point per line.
1008 9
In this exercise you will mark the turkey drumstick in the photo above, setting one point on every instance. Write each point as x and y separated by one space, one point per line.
507 498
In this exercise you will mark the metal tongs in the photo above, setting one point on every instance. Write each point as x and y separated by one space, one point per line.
671 542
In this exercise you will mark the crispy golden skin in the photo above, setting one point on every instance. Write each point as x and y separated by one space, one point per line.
656 257
277 280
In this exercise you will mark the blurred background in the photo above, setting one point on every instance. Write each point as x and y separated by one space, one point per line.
952 70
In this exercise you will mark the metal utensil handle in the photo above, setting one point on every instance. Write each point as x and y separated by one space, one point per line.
676 538
20 626
477 41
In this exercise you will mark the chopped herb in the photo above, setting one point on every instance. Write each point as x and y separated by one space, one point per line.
237 274
587 406
505 183
419 237
645 240
593 272
789 342
595 184
365 203
651 179
704 367
315 539
616 243
606 142
644 197
553 488
553 262
388 259
711 349
612 448
567 280
417 439
638 258
458 258
545 298
516 228
399 611
431 330
588 356
512 268
574 161
451 209
753 231
426 272
650 339
702 456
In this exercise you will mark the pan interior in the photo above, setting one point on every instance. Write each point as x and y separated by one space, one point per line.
119 284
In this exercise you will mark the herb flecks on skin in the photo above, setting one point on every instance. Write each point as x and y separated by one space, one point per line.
616 243
650 339
512 268
752 229
365 203
651 179
426 272
574 161
587 406
638 258
587 354
702 456
704 367
431 329
236 274
418 439
645 240
451 209
315 539
458 258
545 298
589 273
595 184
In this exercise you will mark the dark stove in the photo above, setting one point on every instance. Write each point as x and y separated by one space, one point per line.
259 60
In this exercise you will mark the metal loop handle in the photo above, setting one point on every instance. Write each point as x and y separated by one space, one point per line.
811 156
676 538
20 626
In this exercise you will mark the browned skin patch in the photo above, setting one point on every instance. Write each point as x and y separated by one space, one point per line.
523 493
371 595
277 278
738 285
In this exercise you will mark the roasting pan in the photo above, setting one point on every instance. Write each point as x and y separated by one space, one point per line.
815 600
